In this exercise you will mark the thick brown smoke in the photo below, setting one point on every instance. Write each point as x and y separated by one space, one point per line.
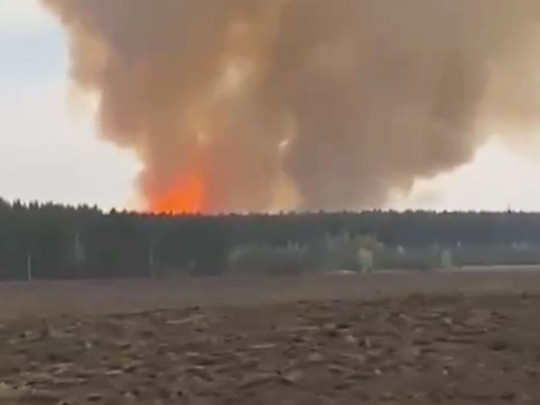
345 100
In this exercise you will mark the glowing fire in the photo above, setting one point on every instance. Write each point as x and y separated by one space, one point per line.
190 192
187 196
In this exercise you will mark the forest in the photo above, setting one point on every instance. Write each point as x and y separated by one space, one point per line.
48 241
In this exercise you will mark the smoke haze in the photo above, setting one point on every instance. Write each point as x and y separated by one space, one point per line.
250 105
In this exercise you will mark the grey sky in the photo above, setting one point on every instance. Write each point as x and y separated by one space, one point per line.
49 153
46 151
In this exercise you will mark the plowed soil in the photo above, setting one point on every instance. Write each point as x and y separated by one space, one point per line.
388 339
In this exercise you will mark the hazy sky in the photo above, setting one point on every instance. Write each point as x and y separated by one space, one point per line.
49 152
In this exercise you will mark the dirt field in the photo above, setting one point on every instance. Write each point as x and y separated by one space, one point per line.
463 338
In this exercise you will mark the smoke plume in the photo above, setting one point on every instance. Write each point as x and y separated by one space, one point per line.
249 105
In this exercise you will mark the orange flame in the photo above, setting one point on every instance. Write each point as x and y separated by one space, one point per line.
187 196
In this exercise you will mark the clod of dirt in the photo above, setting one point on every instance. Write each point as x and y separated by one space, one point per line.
315 357
255 380
292 377
351 339
95 397
499 345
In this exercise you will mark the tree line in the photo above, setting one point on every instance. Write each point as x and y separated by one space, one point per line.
48 241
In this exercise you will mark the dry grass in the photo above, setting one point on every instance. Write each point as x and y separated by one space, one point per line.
118 296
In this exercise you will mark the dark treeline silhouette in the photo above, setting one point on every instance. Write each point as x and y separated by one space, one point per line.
46 241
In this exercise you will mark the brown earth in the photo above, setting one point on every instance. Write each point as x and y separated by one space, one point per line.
463 338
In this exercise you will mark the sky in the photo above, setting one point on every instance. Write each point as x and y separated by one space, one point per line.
49 151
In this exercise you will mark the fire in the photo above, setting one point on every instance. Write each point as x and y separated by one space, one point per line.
187 196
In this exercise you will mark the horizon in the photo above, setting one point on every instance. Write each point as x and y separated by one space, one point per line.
126 210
